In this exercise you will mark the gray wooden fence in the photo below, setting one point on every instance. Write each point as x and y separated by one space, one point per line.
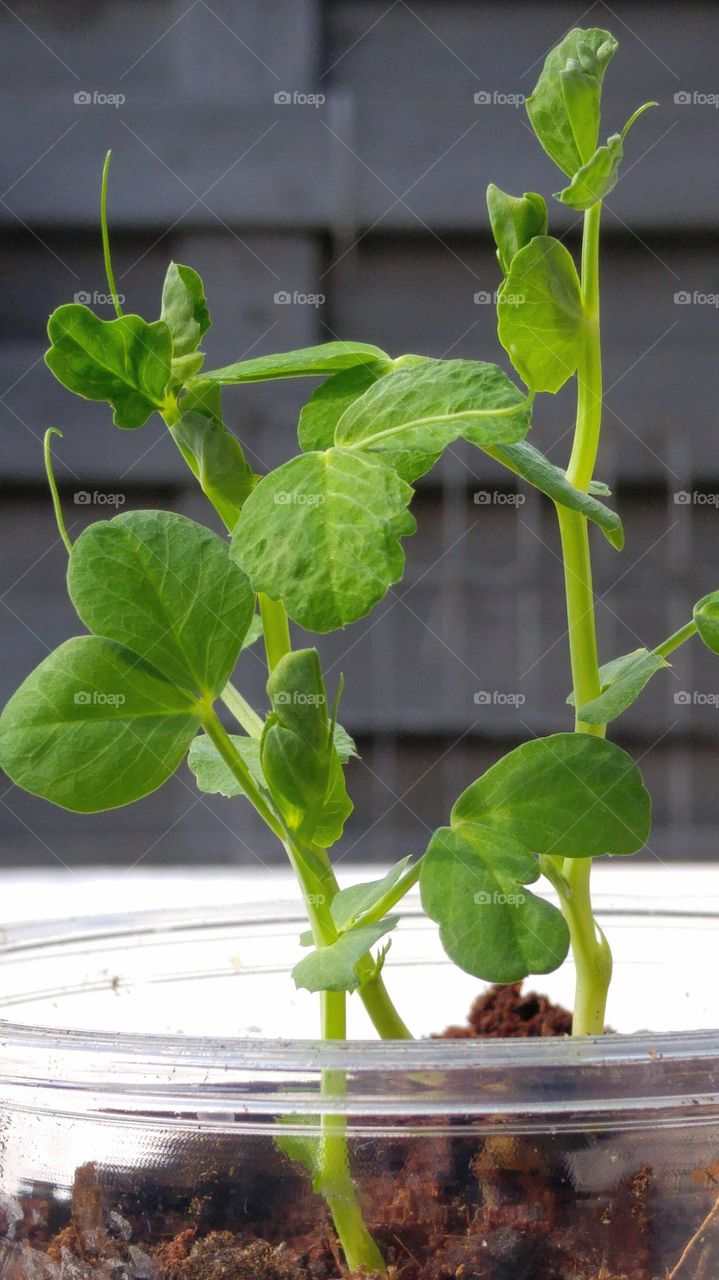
341 148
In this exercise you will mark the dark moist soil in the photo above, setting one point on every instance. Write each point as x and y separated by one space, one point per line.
441 1208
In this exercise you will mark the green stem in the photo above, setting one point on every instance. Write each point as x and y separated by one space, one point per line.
385 1019
675 640
276 629
221 739
242 711
591 952
334 1178
593 956
106 238
56 504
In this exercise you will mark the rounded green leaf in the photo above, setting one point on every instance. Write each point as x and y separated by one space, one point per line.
706 616
94 727
125 362
322 534
515 220
211 772
422 408
571 794
165 587
564 109
319 417
308 362
472 884
540 315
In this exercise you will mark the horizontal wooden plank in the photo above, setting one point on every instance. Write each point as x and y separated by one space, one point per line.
399 137
166 47
413 72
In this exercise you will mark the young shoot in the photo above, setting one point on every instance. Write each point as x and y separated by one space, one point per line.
166 607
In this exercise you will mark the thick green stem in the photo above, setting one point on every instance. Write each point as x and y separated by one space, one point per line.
276 628
334 1178
591 952
385 1019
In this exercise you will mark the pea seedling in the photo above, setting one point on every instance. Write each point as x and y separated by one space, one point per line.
169 605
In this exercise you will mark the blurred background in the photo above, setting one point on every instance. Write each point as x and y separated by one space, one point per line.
322 164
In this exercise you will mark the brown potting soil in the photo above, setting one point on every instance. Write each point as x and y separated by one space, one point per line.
440 1208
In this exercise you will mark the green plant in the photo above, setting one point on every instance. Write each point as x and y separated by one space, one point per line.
169 606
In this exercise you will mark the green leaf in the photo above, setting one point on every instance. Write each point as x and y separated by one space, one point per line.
596 178
526 461
410 416
308 362
216 459
351 903
598 489
299 759
706 616
622 681
571 794
515 220
322 534
540 316
166 588
255 632
564 109
334 968
473 885
125 362
345 745
319 417
213 775
184 309
204 398
95 727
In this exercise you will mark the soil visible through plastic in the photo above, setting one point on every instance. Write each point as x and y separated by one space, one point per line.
502 1207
